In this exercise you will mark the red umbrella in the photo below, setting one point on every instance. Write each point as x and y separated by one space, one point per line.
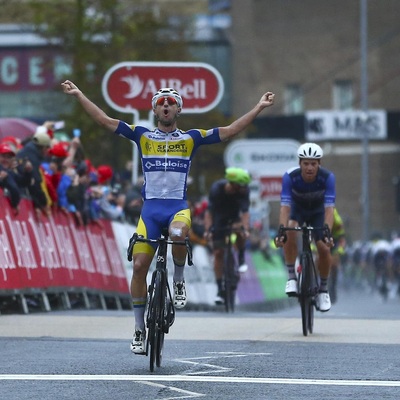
17 127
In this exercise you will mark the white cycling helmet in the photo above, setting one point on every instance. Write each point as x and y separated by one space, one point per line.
41 138
165 92
310 150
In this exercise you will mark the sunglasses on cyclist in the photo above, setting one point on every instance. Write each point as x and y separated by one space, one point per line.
170 99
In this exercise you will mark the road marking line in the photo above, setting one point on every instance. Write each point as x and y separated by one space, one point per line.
191 378
213 368
186 394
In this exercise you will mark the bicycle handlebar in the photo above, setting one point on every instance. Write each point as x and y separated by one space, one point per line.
228 228
306 229
138 238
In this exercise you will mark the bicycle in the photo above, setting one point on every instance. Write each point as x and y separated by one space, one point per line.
231 275
381 267
307 279
160 306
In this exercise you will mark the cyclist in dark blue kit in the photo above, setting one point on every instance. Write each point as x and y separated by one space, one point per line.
308 195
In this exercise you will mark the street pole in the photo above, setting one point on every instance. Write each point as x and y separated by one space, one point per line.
149 123
364 107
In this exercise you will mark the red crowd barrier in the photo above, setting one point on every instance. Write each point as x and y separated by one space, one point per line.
55 253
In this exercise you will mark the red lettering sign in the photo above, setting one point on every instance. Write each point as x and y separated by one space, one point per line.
130 86
30 69
270 187
55 253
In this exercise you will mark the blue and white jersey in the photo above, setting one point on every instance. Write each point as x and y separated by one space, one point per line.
166 157
308 196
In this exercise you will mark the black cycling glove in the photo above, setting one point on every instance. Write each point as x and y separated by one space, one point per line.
129 251
281 233
327 234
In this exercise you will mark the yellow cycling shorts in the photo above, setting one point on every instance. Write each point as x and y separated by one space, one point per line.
158 214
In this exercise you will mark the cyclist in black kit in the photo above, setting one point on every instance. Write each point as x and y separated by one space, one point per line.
228 203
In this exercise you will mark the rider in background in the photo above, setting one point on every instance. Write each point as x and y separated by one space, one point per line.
395 252
380 264
228 203
308 196
338 251
166 154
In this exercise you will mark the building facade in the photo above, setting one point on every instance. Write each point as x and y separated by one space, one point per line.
308 53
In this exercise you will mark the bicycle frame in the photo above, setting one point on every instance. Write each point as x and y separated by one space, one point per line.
231 275
307 277
160 306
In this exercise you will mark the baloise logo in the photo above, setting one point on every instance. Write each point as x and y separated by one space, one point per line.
170 164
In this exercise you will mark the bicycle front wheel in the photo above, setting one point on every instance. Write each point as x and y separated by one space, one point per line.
305 305
156 321
305 295
230 280
151 324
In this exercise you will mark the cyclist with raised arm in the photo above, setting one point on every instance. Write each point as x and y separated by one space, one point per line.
228 203
308 196
166 153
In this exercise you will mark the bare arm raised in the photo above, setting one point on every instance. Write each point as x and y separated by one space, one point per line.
227 132
94 111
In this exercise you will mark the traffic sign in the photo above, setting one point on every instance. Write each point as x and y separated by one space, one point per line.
130 86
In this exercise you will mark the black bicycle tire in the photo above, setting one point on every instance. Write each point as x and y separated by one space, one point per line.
311 316
304 306
151 324
161 316
313 288
304 295
229 279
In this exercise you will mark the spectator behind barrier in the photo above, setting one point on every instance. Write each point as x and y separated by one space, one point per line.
7 179
106 202
133 201
35 151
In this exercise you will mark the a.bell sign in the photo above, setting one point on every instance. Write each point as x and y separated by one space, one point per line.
129 86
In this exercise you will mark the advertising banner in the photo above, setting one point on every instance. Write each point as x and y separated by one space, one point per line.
54 252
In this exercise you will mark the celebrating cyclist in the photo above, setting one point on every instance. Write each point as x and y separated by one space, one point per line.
228 203
166 153
308 196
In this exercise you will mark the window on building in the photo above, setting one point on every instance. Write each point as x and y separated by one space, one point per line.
62 67
343 95
294 99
